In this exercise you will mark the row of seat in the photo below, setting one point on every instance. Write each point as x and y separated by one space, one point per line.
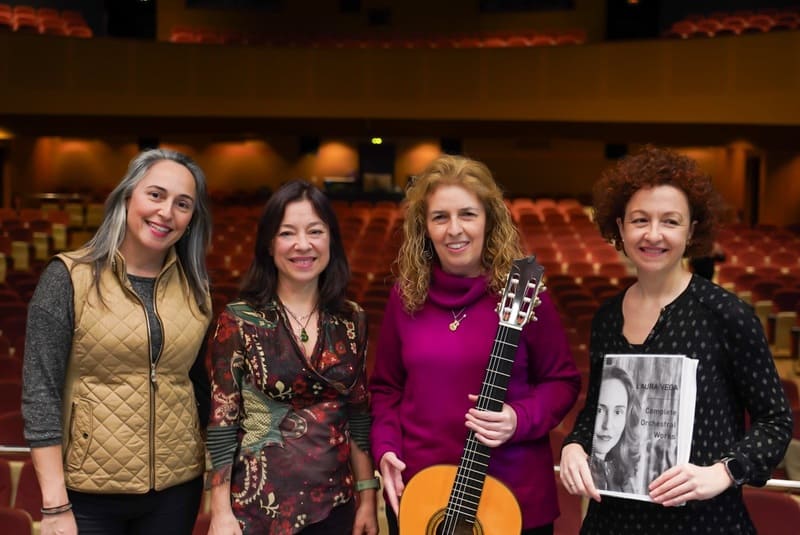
44 20
735 23
77 215
533 38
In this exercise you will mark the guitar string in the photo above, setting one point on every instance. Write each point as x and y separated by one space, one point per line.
470 451
459 485
473 444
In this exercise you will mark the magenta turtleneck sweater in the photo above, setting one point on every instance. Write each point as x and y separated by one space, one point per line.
424 372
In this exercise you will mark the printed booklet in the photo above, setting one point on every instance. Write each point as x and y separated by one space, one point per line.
644 421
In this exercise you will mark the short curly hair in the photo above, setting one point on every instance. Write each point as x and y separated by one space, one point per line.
501 244
651 167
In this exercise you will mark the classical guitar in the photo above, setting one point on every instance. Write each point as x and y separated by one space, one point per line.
463 499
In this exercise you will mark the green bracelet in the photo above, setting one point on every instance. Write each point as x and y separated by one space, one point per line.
366 484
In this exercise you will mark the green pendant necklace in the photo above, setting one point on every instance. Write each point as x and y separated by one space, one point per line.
303 332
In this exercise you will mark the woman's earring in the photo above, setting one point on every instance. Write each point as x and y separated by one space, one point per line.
427 251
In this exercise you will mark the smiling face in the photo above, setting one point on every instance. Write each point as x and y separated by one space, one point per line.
612 410
656 228
158 210
456 225
301 248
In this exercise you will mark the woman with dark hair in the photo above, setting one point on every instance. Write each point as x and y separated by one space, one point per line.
615 445
659 208
114 369
289 430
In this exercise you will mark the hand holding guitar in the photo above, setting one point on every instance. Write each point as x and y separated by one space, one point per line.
575 473
391 473
492 428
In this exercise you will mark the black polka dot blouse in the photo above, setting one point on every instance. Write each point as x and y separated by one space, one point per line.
735 375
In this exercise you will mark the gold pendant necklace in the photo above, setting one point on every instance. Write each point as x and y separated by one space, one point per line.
457 318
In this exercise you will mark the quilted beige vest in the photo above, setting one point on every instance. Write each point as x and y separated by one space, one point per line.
130 427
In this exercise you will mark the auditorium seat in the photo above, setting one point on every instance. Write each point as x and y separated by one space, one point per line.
759 23
48 13
571 517
614 271
24 22
580 268
787 299
557 436
518 41
785 259
728 273
707 28
570 37
6 483
764 289
745 281
779 327
11 428
772 512
79 31
202 524
10 367
542 40
29 495
749 258
10 394
26 10
682 29
16 521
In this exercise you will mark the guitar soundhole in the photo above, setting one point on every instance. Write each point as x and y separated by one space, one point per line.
436 526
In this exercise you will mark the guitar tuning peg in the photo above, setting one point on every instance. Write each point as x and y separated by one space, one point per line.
537 302
543 288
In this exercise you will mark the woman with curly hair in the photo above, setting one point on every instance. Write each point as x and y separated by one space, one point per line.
615 446
436 338
658 207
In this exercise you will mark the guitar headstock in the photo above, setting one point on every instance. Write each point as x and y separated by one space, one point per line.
521 294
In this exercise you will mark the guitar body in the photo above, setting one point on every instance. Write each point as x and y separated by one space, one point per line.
463 499
425 498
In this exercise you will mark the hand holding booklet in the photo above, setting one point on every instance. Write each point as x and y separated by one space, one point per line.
644 421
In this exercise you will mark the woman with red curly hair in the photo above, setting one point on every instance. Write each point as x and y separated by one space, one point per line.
658 207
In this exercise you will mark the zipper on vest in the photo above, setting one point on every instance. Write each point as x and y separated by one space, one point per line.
154 381
154 359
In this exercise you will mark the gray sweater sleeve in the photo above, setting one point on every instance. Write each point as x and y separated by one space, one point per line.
48 343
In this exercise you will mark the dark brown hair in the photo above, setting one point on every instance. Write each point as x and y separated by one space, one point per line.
260 283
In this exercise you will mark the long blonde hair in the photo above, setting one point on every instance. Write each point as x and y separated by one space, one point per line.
501 241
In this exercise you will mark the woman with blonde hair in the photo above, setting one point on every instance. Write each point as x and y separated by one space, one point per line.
436 338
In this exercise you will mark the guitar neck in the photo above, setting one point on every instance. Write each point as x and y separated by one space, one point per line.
471 474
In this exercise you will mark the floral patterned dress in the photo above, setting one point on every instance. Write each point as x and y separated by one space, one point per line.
283 418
